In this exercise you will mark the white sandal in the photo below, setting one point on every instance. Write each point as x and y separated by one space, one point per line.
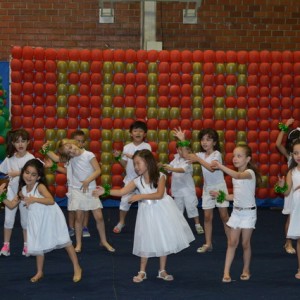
139 278
166 277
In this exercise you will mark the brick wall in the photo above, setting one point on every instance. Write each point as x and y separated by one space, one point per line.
222 25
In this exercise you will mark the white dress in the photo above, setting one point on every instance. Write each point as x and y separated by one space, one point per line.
294 227
47 229
160 227
288 201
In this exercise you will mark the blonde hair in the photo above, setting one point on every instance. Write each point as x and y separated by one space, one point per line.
61 148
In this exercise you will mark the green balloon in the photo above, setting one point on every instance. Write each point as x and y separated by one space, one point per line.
2 122
2 151
62 66
73 66
5 113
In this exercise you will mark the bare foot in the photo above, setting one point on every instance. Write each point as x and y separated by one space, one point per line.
108 247
37 277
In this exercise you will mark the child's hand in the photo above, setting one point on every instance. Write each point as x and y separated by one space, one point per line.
29 200
116 153
13 173
48 163
167 167
45 146
289 122
191 157
99 191
178 133
281 181
15 201
215 165
2 188
85 186
128 155
214 194
135 198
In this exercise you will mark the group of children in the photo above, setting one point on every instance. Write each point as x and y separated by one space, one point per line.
161 228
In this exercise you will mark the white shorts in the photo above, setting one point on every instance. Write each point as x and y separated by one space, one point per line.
77 200
244 219
10 216
208 202
189 203
124 205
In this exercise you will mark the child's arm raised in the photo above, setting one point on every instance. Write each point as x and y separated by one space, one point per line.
279 139
46 200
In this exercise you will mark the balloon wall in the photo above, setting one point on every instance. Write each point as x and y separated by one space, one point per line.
4 119
243 95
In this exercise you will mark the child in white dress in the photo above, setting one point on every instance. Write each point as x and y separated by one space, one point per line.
47 229
160 227
243 217
286 151
82 171
17 142
182 185
292 185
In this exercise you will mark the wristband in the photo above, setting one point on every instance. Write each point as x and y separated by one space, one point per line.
107 189
118 158
44 151
2 197
221 197
54 167
283 127
280 190
183 144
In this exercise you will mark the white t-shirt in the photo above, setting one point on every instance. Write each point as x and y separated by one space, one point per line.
211 178
182 183
79 169
14 163
130 149
244 191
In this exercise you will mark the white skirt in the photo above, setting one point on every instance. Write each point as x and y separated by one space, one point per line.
47 229
287 204
77 200
294 228
160 229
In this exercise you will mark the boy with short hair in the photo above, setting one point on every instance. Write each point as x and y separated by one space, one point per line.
138 131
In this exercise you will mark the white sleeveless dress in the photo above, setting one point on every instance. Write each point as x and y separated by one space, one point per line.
47 229
160 227
294 227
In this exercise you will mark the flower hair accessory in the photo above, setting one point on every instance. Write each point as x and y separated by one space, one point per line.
183 144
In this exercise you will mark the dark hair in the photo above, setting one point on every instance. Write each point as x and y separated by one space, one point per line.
251 165
292 136
77 133
151 163
39 166
211 134
138 125
12 136
293 163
